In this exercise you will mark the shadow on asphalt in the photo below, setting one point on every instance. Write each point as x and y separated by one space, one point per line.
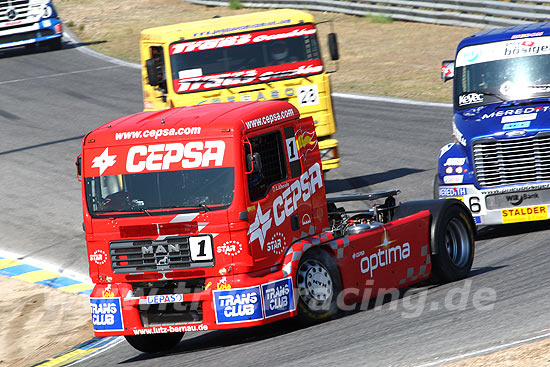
224 338
41 145
505 230
233 337
35 49
358 182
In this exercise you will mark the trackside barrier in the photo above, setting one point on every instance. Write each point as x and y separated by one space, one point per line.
465 13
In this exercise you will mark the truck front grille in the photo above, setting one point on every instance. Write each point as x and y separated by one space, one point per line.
13 10
139 256
512 161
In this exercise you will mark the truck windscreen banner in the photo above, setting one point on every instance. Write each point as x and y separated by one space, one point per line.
503 50
248 58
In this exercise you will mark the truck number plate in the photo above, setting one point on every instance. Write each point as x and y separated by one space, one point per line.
201 248
308 95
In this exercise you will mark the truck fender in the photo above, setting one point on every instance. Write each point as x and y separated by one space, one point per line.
324 240
437 208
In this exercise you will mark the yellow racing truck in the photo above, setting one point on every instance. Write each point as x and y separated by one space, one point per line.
267 55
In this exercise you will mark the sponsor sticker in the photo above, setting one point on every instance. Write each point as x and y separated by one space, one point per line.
453 179
164 298
477 219
516 125
526 214
455 162
230 248
238 305
106 314
518 118
99 257
278 297
452 191
470 98
277 243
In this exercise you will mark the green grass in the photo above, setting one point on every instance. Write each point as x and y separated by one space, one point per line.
379 19
235 5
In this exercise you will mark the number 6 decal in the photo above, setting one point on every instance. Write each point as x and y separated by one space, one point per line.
201 248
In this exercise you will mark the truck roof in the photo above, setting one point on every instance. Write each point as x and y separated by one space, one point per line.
506 33
226 25
210 118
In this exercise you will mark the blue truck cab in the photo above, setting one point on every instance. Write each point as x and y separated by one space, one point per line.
499 162
27 22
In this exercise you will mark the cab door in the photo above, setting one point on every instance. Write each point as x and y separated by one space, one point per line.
276 207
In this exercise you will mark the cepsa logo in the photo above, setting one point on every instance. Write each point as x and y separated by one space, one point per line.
164 157
286 204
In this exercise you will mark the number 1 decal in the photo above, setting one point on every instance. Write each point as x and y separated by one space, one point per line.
201 248
292 149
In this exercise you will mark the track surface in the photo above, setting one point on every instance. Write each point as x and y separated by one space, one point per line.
49 100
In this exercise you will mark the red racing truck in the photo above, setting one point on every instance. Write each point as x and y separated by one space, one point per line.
216 216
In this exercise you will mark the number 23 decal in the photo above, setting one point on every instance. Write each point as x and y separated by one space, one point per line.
308 95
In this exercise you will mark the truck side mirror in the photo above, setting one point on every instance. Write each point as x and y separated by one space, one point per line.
257 162
447 70
253 163
78 165
333 46
155 72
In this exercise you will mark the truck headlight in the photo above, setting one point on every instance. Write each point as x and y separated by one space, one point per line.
48 11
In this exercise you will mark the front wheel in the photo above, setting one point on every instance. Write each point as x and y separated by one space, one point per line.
54 44
454 240
318 284
155 342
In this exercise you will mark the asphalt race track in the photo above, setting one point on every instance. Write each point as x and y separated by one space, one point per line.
49 100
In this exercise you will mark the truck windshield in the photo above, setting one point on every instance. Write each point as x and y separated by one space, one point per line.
502 71
245 58
181 191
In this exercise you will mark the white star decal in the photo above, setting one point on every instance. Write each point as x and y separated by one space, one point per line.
261 225
103 161
386 242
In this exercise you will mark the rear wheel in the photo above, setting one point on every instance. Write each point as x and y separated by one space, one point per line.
454 240
318 284
154 342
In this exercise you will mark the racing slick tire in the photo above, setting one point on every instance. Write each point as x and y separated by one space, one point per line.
155 342
452 233
318 285
454 239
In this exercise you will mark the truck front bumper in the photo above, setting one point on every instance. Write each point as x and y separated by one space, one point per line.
502 205
231 301
41 31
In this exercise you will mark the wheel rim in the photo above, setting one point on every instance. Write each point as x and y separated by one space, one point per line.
314 283
457 242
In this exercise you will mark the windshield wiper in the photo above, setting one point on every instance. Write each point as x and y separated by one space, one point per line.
145 211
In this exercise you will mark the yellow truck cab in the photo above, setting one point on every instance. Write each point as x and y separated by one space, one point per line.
252 57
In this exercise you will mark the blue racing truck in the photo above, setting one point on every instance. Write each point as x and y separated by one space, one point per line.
29 22
499 162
